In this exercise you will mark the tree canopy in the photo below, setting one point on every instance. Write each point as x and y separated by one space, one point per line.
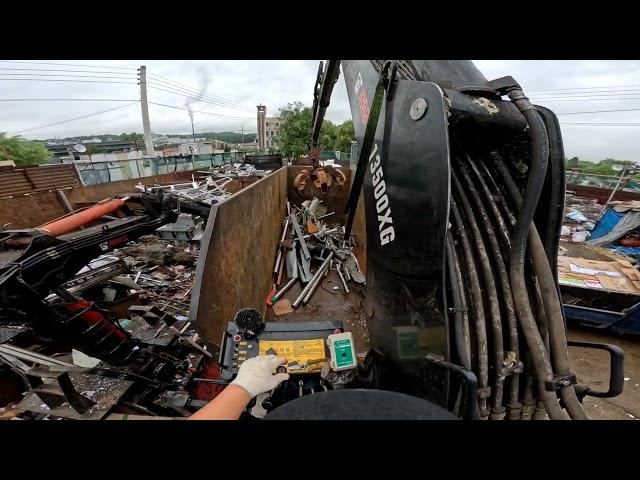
133 137
23 152
345 134
603 167
294 136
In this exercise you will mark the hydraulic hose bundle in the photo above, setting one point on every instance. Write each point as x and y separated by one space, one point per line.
508 325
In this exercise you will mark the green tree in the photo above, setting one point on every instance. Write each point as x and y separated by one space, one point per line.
23 152
573 162
132 137
294 136
345 134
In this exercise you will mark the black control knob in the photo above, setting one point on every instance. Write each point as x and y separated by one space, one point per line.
249 321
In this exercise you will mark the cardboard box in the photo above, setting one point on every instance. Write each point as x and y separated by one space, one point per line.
616 276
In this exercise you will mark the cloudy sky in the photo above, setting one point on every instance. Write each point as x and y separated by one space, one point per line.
234 88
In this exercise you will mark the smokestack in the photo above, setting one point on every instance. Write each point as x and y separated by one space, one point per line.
262 126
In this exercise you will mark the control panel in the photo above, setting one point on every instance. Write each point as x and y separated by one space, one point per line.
303 344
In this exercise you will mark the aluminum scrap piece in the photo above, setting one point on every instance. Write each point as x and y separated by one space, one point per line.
304 269
314 280
291 263
283 290
344 282
303 244
317 279
144 332
7 333
30 356
105 391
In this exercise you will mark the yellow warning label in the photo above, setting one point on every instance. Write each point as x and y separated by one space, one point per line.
301 351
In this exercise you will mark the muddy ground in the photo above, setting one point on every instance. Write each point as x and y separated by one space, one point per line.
592 368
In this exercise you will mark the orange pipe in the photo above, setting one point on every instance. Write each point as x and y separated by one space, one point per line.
76 220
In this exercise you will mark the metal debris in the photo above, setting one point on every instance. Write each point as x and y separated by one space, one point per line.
306 238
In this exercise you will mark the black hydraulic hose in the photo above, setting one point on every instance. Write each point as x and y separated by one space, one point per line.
501 275
461 317
463 354
464 301
555 324
507 180
535 182
478 308
505 221
551 302
490 201
491 295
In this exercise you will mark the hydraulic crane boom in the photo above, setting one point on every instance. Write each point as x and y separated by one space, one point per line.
464 194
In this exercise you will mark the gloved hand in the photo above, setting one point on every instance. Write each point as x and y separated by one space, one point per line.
256 377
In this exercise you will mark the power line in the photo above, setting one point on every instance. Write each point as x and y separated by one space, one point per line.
197 111
64 75
62 80
67 100
181 86
186 87
195 98
66 64
63 70
200 96
76 118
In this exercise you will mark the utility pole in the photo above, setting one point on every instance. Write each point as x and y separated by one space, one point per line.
148 141
193 132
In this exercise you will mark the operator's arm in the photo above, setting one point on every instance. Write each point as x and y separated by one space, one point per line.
255 376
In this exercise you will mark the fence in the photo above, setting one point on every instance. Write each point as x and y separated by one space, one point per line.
22 180
111 171
601 181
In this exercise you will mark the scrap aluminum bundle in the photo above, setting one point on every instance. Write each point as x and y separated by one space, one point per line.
210 190
237 170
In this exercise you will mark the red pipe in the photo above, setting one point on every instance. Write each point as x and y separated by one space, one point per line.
70 222
76 220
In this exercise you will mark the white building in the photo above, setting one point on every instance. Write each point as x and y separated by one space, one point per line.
272 127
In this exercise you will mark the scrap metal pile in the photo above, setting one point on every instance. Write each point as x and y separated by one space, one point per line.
306 236
144 288
236 170
163 270
580 217
209 190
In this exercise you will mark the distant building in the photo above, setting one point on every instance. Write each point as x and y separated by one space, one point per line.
262 120
199 148
185 140
63 149
272 127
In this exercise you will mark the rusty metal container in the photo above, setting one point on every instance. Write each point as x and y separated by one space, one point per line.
239 248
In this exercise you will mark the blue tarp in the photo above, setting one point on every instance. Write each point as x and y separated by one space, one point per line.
631 251
606 223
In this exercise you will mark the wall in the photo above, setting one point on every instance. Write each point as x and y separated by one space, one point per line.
26 211
239 248
602 194
21 180
238 254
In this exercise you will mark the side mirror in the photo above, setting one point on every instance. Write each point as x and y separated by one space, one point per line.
616 376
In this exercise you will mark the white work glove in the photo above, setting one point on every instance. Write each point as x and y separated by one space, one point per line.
255 375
